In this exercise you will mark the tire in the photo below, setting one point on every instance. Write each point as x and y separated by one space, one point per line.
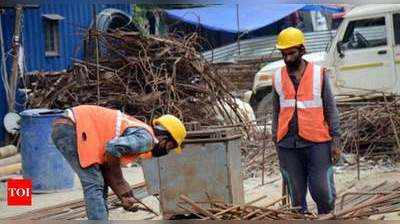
264 107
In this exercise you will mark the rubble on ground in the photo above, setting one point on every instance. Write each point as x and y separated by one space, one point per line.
371 129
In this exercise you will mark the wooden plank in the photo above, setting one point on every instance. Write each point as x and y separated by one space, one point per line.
10 160
10 169
8 151
198 208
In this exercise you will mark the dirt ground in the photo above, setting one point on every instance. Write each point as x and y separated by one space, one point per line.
344 177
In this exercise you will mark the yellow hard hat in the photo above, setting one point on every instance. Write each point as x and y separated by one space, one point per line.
289 37
174 126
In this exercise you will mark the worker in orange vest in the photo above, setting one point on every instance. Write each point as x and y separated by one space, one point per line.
305 126
96 141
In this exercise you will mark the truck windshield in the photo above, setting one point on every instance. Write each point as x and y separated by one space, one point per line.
365 33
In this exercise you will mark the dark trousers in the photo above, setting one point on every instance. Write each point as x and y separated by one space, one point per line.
309 167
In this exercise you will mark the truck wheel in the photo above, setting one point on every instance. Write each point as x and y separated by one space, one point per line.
264 107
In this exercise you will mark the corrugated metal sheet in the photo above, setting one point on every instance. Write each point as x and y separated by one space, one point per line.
3 98
264 46
78 16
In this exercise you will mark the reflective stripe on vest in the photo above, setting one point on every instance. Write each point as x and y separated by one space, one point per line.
95 126
317 84
118 124
307 100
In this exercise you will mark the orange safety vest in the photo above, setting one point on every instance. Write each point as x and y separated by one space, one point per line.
95 126
307 101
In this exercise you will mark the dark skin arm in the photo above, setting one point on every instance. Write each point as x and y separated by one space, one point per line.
112 174
114 178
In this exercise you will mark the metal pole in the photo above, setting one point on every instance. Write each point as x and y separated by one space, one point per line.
238 27
263 155
358 144
96 53
12 81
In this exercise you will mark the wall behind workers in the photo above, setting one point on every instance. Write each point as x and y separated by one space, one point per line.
77 15
77 18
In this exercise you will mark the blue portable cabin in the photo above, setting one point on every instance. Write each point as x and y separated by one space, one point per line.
52 34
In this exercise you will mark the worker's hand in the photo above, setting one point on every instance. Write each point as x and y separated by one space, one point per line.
129 204
336 152
274 140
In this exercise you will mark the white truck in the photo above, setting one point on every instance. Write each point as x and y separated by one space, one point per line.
363 57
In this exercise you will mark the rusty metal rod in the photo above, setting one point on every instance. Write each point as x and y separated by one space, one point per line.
238 206
361 206
198 208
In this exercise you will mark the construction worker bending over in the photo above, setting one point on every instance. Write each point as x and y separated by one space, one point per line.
96 141
305 125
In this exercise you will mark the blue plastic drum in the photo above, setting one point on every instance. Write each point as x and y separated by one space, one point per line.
41 161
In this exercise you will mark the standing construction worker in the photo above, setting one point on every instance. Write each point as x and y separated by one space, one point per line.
305 125
96 141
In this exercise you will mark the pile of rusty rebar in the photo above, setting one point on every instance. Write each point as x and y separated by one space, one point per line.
258 151
353 203
371 128
221 211
144 76
359 202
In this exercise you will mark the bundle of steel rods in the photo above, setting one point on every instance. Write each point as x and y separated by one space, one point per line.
221 211
142 76
371 128
367 200
353 203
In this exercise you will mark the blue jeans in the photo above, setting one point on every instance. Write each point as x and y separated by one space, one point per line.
94 188
309 167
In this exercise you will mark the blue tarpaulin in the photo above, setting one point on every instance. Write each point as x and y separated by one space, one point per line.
252 14
224 17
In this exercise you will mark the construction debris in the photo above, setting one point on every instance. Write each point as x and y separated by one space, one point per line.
371 129
260 159
144 76
219 211
353 203
241 74
364 201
